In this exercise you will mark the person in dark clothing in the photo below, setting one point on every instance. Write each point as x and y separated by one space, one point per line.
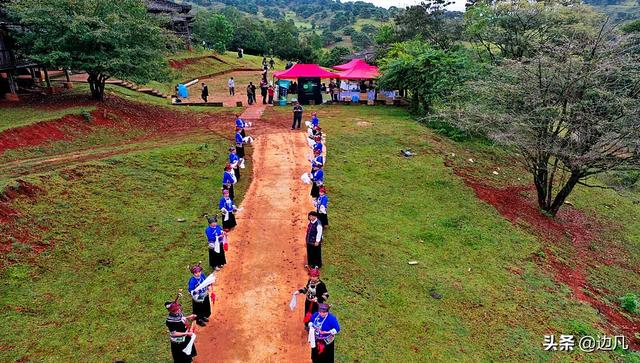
294 86
289 65
253 92
313 241
205 92
263 91
315 292
297 115
272 63
180 332
264 61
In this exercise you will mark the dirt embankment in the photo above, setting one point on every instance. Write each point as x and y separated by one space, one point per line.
572 232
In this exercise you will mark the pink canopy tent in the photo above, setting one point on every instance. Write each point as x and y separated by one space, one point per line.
304 71
360 71
349 65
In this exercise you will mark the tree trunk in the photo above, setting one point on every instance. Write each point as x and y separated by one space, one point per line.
558 201
96 84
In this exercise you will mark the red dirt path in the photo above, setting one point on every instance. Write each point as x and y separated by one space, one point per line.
265 259
571 228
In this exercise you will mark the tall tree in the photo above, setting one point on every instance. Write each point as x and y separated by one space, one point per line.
214 29
430 21
571 111
104 38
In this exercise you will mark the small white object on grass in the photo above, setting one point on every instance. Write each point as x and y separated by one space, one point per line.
471 160
495 172
412 262
181 220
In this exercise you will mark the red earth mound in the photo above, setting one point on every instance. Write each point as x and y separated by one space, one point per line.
181 63
113 113
571 230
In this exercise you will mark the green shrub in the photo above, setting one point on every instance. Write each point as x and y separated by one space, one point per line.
629 302
88 117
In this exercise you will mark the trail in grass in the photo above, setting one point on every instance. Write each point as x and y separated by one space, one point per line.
251 321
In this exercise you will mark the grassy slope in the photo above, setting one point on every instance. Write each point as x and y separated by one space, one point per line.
387 210
26 115
70 307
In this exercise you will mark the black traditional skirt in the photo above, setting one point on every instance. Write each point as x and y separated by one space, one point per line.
178 355
240 151
202 309
242 133
236 171
314 256
324 219
315 190
323 353
229 223
217 259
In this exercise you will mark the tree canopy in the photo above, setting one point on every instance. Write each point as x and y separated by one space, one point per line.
101 37
214 29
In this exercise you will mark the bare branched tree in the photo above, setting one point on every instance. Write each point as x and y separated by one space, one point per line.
570 111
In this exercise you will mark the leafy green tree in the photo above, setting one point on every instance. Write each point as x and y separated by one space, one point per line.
386 35
428 74
521 28
361 40
214 29
369 29
568 113
430 21
348 31
632 27
104 38
333 57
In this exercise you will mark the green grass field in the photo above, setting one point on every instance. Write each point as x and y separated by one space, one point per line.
117 251
386 210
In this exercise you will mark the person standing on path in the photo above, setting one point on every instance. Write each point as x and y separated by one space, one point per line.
215 237
228 208
297 115
250 94
313 241
180 332
199 298
325 326
272 63
315 293
253 92
232 87
263 91
271 91
322 204
228 180
317 178
205 92
234 161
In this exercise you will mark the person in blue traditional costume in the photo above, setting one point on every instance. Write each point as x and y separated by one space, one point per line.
239 143
199 298
240 123
215 239
325 327
234 161
317 160
228 180
315 122
228 208
322 205
317 178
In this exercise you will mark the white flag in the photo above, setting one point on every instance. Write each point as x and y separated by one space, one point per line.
311 338
293 302
210 280
189 347
305 178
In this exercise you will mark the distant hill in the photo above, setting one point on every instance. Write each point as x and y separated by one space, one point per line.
620 10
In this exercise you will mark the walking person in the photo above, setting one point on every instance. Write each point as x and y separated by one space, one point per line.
264 61
234 161
297 115
271 91
322 204
228 180
232 86
216 240
205 92
199 298
263 90
180 331
324 326
315 293
332 91
228 208
272 63
313 241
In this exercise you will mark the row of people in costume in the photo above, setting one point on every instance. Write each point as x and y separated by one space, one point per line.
322 326
182 328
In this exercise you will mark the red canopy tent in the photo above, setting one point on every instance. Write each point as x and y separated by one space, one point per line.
350 64
360 71
304 71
